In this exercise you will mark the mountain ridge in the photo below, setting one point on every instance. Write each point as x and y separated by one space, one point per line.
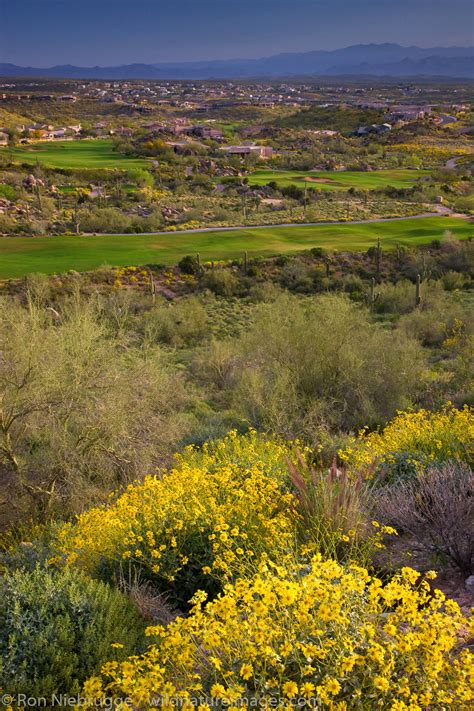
386 59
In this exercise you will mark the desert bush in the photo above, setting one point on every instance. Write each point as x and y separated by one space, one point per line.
396 298
353 284
57 628
189 264
215 366
183 323
437 509
321 362
199 524
315 635
460 366
8 192
454 280
265 292
81 412
297 276
412 441
430 323
220 281
106 219
8 225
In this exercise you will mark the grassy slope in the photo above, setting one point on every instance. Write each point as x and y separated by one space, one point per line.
8 119
74 154
23 255
340 180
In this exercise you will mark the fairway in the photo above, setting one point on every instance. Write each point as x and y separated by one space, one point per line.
24 255
339 180
73 154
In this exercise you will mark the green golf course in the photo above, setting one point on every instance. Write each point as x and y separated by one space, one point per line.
91 154
23 255
339 180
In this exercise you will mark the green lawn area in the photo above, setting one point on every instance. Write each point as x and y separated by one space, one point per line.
334 180
24 255
73 154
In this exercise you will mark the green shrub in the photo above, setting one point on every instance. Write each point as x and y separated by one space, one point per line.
81 415
184 322
320 363
7 191
221 282
434 320
57 628
189 264
396 298
454 280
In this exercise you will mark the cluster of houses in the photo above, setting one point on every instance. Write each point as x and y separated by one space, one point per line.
41 132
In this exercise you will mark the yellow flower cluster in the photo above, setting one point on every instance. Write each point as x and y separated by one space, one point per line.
318 634
420 437
428 150
211 517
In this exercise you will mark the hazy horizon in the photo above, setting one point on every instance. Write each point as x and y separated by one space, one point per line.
45 33
230 59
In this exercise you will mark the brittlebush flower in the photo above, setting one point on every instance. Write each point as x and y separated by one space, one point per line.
386 643
422 437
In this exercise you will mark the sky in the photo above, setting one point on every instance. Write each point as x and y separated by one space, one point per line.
42 33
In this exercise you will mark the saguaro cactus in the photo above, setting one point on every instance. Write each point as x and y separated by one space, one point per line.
328 267
378 257
372 296
418 290
152 286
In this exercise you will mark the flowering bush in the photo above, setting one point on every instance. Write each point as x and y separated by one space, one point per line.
203 522
316 632
414 440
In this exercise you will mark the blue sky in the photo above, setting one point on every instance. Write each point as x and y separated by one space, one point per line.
90 32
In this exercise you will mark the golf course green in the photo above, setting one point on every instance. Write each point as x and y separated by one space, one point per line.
23 255
339 180
91 154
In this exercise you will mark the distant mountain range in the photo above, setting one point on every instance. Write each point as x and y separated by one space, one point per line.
363 59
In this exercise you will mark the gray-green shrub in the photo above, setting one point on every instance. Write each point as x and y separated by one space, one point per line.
56 630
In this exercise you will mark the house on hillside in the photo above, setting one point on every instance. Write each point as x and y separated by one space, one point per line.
245 150
206 132
57 133
409 113
123 131
377 128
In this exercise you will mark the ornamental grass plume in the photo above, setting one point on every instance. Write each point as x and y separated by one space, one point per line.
331 511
